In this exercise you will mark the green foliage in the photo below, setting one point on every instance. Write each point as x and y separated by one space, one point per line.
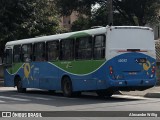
126 12
138 12
81 24
21 19
66 7
100 16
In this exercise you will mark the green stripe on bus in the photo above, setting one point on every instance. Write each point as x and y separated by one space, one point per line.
73 67
80 34
14 68
80 67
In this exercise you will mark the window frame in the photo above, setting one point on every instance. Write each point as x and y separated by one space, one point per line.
77 48
58 49
16 54
101 47
10 56
31 54
71 49
41 58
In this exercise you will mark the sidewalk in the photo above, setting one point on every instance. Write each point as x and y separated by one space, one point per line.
153 92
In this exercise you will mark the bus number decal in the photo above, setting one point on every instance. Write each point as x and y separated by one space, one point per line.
122 60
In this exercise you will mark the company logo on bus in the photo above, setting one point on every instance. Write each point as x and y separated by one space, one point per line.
27 71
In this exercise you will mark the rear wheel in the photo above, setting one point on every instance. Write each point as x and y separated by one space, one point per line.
67 87
77 94
20 89
51 92
104 93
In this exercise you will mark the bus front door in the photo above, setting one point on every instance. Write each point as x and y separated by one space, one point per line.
8 79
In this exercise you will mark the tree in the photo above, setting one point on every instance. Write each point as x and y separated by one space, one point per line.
66 7
138 12
126 12
100 16
21 19
81 24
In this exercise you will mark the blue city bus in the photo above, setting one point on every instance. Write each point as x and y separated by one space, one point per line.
103 60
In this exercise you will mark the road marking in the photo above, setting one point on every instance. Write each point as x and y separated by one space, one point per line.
12 98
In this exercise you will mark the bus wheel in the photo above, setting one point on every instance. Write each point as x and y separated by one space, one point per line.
51 91
19 86
104 93
77 94
67 87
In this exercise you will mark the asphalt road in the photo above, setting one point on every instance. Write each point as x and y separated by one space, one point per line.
38 100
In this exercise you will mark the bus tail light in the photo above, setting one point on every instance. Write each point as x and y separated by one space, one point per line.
110 69
153 69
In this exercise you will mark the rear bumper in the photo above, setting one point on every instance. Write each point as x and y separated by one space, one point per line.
131 85
130 88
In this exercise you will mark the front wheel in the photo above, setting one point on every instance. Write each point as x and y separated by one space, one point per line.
20 89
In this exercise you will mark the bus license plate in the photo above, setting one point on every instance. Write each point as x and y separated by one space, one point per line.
141 60
132 73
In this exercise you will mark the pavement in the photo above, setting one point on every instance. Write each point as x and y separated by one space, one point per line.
153 92
1 82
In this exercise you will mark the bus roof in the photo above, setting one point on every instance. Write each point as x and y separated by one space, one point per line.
95 31
132 27
58 36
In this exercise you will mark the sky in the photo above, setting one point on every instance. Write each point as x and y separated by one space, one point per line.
95 7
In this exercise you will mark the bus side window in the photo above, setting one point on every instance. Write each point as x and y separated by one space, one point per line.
99 47
17 53
84 48
53 50
39 52
27 53
8 56
67 49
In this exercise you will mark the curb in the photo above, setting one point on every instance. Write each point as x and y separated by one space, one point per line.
152 95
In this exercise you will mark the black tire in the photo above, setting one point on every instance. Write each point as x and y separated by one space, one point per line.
51 92
67 87
104 93
77 94
20 89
